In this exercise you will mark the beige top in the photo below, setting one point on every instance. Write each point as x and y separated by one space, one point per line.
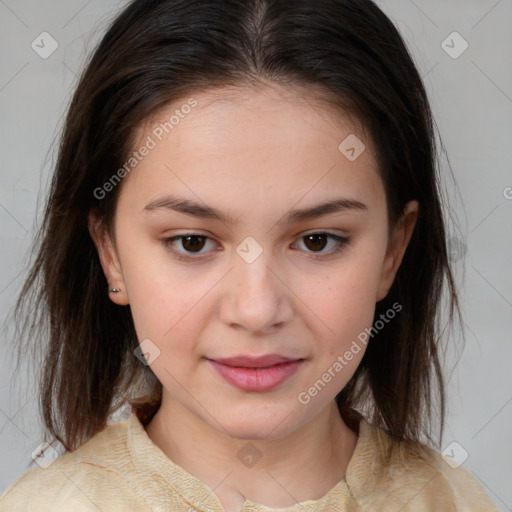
121 470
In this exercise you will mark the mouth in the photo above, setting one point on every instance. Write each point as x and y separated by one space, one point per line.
255 362
256 373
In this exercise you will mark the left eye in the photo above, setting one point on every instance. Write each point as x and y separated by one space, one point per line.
315 242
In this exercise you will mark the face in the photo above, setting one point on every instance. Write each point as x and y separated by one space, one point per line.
222 249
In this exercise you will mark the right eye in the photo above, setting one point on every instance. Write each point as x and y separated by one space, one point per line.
192 243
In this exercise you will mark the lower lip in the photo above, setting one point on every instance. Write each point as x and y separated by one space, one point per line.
256 379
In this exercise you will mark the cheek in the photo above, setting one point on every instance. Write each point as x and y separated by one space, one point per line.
347 296
344 306
162 297
167 309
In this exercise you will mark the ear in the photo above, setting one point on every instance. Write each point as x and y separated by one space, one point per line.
109 260
396 248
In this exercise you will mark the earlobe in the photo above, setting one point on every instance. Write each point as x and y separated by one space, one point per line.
397 247
109 261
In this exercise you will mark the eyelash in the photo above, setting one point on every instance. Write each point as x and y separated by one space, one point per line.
340 240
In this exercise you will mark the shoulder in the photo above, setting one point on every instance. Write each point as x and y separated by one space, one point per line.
94 475
385 474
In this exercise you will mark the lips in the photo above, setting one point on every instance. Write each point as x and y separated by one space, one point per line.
256 373
255 362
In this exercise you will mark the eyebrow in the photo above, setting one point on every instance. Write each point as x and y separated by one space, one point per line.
189 207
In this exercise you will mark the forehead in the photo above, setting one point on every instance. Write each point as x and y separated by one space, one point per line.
251 113
253 142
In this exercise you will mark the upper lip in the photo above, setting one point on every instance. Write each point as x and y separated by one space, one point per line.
255 362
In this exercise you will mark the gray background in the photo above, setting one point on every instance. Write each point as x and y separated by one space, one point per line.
472 101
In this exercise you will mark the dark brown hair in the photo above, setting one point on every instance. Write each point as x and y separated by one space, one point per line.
160 51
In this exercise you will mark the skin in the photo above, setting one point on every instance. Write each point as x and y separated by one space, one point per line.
254 154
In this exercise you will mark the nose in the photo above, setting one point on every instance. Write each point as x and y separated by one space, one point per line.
256 298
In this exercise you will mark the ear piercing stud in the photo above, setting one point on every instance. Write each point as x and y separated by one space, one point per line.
114 290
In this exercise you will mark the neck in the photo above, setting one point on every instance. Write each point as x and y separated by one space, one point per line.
278 473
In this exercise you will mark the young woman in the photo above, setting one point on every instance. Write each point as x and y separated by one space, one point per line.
244 241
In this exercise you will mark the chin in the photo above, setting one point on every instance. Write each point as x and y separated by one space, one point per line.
257 426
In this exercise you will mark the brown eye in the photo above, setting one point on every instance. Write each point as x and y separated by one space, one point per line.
189 246
193 243
316 241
